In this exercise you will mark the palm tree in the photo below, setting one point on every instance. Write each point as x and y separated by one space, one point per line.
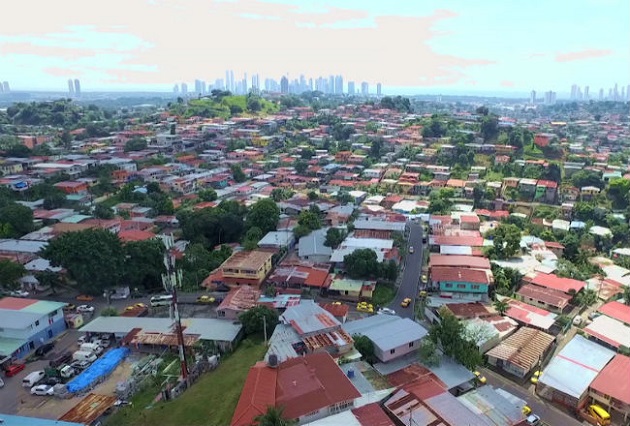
626 295
501 306
273 417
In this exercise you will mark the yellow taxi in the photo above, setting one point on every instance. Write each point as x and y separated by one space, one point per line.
480 377
365 307
406 302
535 377
205 299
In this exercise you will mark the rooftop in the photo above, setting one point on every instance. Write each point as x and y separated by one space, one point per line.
386 331
610 331
523 348
555 282
11 420
309 317
607 381
457 260
616 310
253 260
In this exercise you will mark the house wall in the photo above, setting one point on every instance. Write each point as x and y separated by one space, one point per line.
508 367
397 352
552 394
609 404
539 304
36 335
463 289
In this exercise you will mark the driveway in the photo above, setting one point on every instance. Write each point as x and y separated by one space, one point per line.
548 413
411 274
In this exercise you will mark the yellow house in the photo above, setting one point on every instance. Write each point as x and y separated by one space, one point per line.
10 168
247 268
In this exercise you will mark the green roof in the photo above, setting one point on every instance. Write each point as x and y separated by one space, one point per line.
77 217
8 346
43 307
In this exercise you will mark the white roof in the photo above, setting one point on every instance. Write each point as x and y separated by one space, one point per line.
340 253
386 331
379 225
373 243
276 238
609 330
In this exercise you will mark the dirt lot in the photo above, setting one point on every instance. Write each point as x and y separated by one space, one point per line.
53 407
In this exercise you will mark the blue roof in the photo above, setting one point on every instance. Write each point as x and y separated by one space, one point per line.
10 420
387 331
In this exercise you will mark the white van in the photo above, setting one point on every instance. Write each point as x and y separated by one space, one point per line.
84 356
33 378
163 300
91 347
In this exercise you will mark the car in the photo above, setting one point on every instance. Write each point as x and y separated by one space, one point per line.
141 305
386 311
594 315
406 302
535 376
70 307
480 377
533 419
337 303
42 390
14 369
424 278
365 307
85 298
526 410
51 381
136 306
205 299
19 293
410 249
85 309
577 320
44 349
423 294
80 365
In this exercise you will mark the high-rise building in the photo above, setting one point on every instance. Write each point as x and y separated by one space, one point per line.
351 88
339 85
601 94
622 97
586 95
365 88
1 88
628 92
232 84
532 97
70 87
176 88
550 97
77 87
5 87
379 89
574 89
198 87
227 80
284 84
310 84
331 84
184 89
616 93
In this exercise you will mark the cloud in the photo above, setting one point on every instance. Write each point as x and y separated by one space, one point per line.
582 55
63 72
507 83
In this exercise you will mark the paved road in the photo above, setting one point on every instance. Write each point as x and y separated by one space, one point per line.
548 413
411 275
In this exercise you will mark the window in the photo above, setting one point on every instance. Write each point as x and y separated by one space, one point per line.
411 344
448 285
461 285
393 351
36 323
475 286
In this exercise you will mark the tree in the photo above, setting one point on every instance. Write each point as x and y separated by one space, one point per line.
103 212
362 263
281 194
584 178
109 312
274 417
252 236
135 144
207 194
94 258
428 353
300 166
626 295
144 264
19 219
489 127
54 200
10 273
618 190
312 196
449 335
586 297
364 345
376 148
213 226
309 219
506 241
237 173
199 262
334 237
501 306
254 320
49 279
264 215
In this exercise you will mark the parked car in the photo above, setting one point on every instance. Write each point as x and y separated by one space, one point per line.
535 376
205 299
410 249
19 293
533 420
85 298
70 308
386 311
365 307
14 369
406 302
1 383
80 365
577 320
85 309
424 278
60 359
51 381
480 377
33 378
45 348
42 390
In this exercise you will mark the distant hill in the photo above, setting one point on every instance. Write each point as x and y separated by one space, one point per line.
224 106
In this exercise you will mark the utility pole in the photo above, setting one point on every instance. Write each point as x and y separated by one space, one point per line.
171 280
265 328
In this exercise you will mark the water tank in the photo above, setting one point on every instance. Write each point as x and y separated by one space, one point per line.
350 374
273 360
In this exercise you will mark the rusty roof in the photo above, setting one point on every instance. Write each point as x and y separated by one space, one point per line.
89 409
523 348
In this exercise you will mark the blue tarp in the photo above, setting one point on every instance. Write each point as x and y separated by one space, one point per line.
101 368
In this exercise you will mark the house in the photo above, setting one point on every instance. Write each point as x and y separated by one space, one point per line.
475 262
27 324
554 282
311 247
544 139
520 353
570 373
238 301
297 276
546 191
349 289
309 388
609 391
392 336
546 298
616 310
530 316
587 193
469 222
456 282
527 187
277 240
609 332
242 268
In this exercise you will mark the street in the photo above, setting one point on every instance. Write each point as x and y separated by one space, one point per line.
548 413
411 275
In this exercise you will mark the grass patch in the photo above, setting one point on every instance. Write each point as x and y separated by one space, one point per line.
383 294
376 379
211 401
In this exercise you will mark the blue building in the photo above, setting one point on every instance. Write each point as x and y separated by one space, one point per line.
26 324
10 420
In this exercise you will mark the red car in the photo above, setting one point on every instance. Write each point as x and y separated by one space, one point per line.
14 369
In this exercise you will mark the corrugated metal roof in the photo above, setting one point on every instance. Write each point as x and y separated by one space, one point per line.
523 348
387 333
89 409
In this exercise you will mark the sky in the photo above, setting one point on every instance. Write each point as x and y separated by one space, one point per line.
419 45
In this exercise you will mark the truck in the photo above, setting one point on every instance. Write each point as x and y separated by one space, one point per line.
84 356
62 372
92 347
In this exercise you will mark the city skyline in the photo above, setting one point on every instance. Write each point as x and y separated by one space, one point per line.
447 45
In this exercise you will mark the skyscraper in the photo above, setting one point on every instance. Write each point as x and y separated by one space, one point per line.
586 95
351 88
339 85
574 89
184 89
232 85
70 87
227 80
5 87
365 88
331 84
628 92
77 87
284 84
601 94
379 89
550 97
176 88
532 97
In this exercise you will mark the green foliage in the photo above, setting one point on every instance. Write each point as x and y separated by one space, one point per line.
60 113
362 263
10 273
501 306
428 353
274 416
109 312
449 335
224 105
489 127
252 236
94 258
103 212
213 226
281 194
364 345
49 279
586 297
264 215
383 294
254 320
300 166
506 241
397 103
198 263
309 219
334 237
506 280
15 219
581 269
584 178
237 173
144 263
135 144
207 194
618 190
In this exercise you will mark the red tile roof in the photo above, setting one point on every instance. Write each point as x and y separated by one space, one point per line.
259 392
459 275
549 296
557 283
135 235
616 310
468 310
456 240
608 380
372 415
457 260
16 303
336 310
